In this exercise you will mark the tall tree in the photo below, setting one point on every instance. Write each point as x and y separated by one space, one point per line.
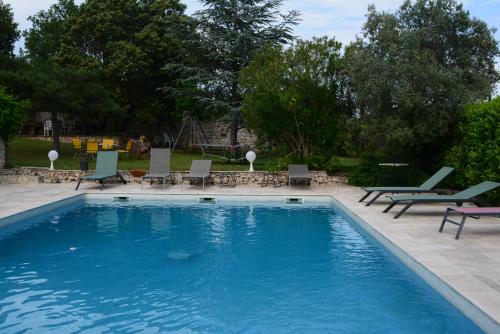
294 97
8 36
126 41
57 87
230 33
8 30
414 71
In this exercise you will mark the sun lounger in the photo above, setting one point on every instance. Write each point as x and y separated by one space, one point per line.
468 212
106 167
298 173
159 165
426 187
200 170
465 196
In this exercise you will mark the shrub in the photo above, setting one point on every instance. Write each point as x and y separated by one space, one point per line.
476 152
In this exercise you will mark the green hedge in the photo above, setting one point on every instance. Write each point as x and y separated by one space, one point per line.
476 152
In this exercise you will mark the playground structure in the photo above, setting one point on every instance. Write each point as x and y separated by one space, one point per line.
226 153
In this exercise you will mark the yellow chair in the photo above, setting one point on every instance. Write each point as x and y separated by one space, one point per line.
128 147
92 147
108 144
77 146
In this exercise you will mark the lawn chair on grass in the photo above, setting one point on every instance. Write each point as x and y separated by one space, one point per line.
159 165
426 187
298 173
128 147
92 148
200 170
465 196
108 144
77 147
106 168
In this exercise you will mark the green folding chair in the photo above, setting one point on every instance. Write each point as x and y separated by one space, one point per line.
106 168
465 196
426 187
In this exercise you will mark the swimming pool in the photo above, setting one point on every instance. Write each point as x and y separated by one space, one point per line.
159 266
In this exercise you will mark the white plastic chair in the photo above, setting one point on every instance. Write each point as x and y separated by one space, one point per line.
47 128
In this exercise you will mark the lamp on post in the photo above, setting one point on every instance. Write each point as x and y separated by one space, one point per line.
53 155
251 158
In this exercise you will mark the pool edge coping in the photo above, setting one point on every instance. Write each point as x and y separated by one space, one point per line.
480 317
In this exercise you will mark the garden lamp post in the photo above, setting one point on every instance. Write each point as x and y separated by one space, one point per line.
53 155
251 158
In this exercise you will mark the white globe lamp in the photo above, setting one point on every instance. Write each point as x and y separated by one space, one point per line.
53 155
251 158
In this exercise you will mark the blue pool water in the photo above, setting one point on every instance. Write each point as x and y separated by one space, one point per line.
151 267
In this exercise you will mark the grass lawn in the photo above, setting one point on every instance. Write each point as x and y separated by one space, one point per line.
33 153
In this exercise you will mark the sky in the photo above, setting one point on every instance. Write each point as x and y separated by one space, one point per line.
335 18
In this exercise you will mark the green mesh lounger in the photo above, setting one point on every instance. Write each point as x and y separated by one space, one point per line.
159 165
106 168
426 187
298 173
465 196
200 170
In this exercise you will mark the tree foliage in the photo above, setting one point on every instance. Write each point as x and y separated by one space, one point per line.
127 43
8 30
10 116
476 151
57 87
294 97
8 36
228 35
414 71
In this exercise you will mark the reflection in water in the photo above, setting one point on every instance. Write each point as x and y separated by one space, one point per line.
217 225
251 223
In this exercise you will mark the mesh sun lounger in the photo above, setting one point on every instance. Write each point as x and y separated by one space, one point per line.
298 173
106 168
159 165
468 212
200 170
426 187
465 196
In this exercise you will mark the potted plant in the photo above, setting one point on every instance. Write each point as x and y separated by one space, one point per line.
137 172
84 163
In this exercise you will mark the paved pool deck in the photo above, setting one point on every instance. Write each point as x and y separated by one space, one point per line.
469 266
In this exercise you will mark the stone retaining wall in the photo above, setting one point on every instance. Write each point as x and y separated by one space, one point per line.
30 175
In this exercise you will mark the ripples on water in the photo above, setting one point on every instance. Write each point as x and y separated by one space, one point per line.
218 269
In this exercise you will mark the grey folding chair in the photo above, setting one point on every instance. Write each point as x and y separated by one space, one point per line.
298 173
200 170
159 165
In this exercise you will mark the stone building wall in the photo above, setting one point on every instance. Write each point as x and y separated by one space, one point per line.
31 175
218 133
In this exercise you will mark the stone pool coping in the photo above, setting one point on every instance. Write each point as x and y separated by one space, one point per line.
466 272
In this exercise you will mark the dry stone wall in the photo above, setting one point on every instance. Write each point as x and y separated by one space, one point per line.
32 175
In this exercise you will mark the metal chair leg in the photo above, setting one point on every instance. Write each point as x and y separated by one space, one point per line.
445 219
403 210
462 223
368 193
390 207
374 198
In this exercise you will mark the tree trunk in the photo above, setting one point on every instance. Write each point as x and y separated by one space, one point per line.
56 143
233 133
